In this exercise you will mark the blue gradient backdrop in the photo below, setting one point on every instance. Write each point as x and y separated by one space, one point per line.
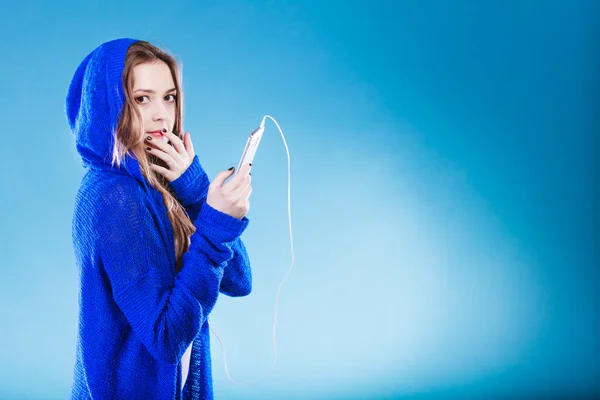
444 190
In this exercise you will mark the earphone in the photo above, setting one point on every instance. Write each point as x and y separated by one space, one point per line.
247 157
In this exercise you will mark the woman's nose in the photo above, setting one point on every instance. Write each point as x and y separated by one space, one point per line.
159 112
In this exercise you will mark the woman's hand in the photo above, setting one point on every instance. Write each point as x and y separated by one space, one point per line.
231 198
178 155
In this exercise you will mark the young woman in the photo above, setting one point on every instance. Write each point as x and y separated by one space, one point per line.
154 240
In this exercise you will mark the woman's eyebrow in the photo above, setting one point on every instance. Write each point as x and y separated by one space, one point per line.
152 91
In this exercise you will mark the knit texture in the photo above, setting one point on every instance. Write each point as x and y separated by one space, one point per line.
137 316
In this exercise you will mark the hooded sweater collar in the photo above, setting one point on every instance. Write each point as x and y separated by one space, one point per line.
94 104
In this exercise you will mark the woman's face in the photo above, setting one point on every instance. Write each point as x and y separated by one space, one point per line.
155 95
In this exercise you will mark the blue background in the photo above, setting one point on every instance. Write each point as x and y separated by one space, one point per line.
444 190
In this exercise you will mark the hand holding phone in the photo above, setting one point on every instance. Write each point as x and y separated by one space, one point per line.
231 198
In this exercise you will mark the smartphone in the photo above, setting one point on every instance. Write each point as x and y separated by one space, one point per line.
250 149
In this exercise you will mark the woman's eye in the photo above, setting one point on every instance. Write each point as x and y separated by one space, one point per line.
171 97
140 99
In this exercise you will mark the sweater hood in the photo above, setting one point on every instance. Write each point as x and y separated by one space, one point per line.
94 104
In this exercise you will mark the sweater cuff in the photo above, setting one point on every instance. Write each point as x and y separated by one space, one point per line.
192 185
226 227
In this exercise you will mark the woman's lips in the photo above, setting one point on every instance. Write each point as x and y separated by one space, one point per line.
160 135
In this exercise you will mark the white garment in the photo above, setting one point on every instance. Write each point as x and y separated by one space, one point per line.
186 364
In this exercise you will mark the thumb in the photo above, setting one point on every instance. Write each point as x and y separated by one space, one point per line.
222 176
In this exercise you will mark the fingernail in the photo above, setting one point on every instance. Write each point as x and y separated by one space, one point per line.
230 169
149 138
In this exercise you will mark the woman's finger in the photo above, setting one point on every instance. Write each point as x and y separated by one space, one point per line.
235 183
163 171
177 142
189 146
167 158
239 192
166 149
241 201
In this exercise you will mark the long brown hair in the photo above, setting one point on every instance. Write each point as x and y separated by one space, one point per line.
129 137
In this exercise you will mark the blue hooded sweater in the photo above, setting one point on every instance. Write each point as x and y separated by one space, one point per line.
137 315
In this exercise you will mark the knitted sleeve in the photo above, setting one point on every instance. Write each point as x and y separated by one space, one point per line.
237 276
192 185
237 279
165 310
191 189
